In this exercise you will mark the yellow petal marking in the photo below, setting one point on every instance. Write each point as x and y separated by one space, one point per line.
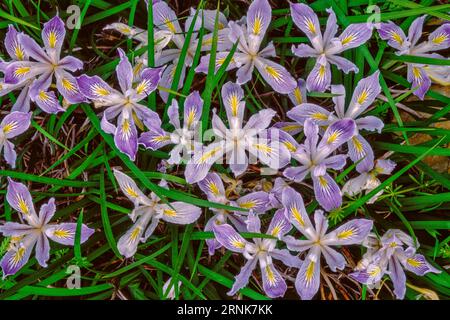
126 128
270 276
69 86
170 212
142 86
213 188
61 233
348 39
417 74
170 25
358 145
23 206
20 55
125 30
363 96
99 90
52 38
237 243
376 270
248 205
9 127
209 154
292 127
322 71
44 96
297 216
333 137
298 95
191 117
161 138
413 262
263 147
290 146
323 182
20 71
137 68
345 234
131 192
271 71
135 234
18 256
257 24
309 272
221 61
438 39
397 37
310 26
234 104
319 116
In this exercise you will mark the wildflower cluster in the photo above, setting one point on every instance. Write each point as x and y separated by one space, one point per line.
314 146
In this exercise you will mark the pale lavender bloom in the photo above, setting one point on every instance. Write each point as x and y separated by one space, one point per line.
318 242
326 47
262 250
161 39
364 95
11 126
438 74
212 185
368 180
165 19
147 213
234 141
169 293
417 74
315 158
185 138
17 53
249 53
391 255
275 195
35 232
38 75
124 104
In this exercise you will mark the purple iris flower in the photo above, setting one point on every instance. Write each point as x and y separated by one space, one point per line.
326 47
254 137
368 180
275 195
165 19
391 255
124 104
147 213
185 138
37 75
35 232
417 74
364 95
11 126
318 241
257 202
315 159
249 53
16 52
161 39
262 250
